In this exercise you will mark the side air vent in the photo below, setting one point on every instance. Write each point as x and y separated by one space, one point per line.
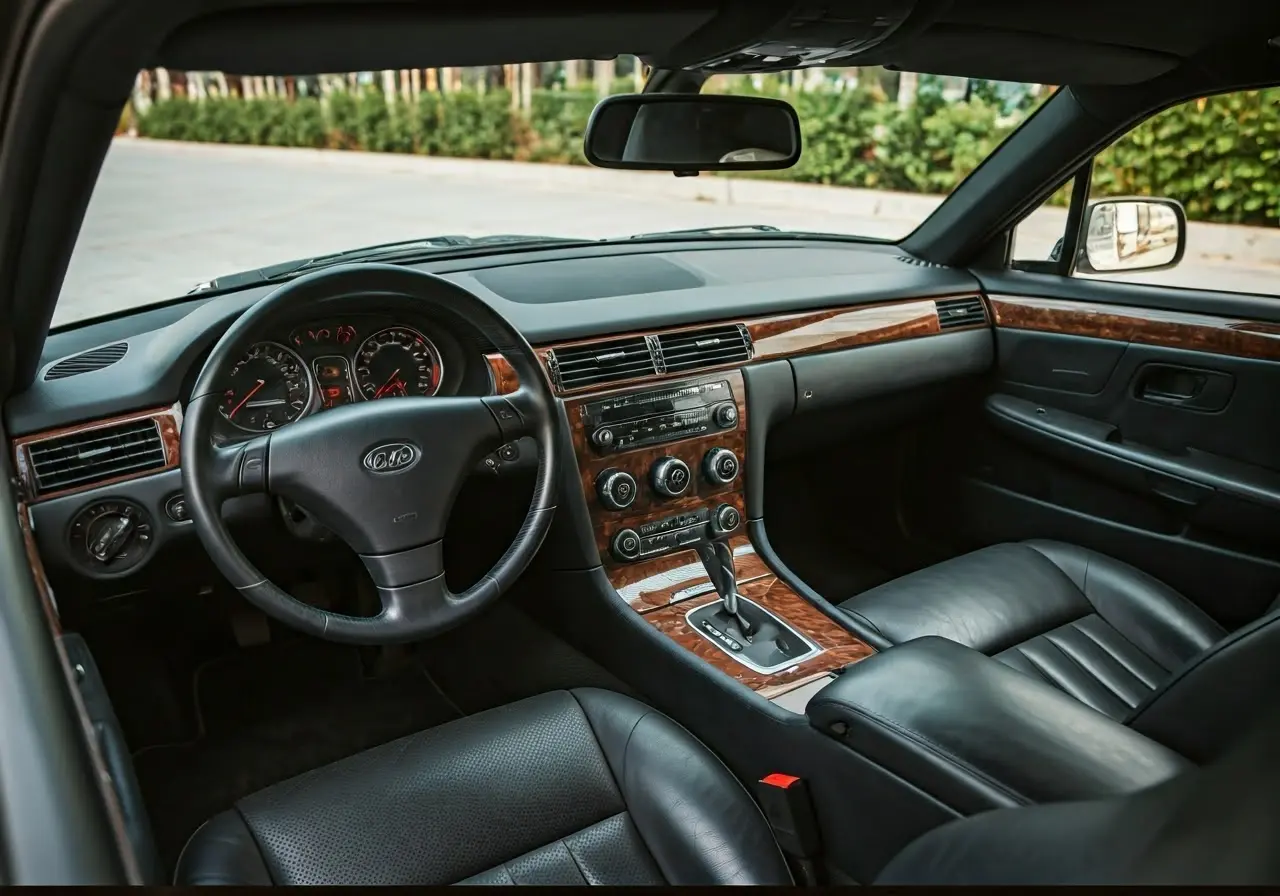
695 349
95 455
917 262
961 313
601 362
87 362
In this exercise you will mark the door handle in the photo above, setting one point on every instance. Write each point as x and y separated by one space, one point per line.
1183 387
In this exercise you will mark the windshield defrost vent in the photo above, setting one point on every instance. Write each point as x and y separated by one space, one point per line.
918 262
961 313
712 347
87 362
95 455
601 362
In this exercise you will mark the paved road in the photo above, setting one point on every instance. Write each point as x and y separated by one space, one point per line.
165 216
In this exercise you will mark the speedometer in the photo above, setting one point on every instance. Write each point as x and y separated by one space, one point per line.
397 361
268 387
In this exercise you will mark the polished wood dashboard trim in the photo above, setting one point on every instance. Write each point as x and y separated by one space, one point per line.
839 647
168 420
504 376
639 461
651 584
1145 326
807 332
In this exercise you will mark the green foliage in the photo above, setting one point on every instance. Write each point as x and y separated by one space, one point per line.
1219 156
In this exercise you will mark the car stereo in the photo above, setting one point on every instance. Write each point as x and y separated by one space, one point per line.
623 422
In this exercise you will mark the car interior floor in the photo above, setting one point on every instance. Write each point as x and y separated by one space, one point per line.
210 721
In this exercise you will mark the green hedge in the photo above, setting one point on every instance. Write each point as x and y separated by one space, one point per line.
1218 156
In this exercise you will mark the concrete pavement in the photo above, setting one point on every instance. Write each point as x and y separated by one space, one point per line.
166 216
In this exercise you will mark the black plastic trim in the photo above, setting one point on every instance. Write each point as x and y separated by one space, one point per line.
771 397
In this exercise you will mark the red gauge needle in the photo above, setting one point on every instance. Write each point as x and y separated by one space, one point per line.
389 384
252 392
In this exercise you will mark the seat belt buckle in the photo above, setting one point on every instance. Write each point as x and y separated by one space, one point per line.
789 810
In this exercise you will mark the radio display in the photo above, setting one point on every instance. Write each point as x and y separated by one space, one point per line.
623 421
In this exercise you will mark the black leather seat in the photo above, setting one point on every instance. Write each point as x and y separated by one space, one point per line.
569 787
1107 634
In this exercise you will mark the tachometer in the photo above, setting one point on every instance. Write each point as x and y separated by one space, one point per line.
397 361
267 388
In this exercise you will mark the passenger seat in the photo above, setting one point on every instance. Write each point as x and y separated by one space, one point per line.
1107 634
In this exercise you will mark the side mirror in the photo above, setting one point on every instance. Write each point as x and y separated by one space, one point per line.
688 133
1132 235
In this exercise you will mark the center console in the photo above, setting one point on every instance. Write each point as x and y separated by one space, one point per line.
662 469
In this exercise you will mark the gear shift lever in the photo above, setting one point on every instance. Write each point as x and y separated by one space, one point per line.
717 557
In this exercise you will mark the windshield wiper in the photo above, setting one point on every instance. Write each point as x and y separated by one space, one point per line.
400 251
728 228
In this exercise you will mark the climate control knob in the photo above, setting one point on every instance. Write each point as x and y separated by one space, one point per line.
725 414
670 476
616 488
626 545
720 466
725 519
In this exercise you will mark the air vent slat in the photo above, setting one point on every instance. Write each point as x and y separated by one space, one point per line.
961 313
96 455
710 347
603 362
87 362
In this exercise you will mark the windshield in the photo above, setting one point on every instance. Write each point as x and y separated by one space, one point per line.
212 175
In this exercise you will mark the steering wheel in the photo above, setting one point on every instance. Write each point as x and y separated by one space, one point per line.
382 475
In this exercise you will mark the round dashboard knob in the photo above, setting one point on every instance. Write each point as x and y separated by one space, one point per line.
725 414
616 488
720 466
626 545
670 477
725 519
603 438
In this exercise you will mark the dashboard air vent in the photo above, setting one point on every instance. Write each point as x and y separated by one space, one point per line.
961 313
90 456
601 362
87 362
918 262
711 347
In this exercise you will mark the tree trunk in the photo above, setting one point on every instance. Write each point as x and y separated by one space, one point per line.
908 85
604 69
527 76
415 84
572 73
220 79
639 74
164 87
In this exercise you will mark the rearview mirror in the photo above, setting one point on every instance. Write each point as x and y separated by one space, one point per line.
1132 235
688 133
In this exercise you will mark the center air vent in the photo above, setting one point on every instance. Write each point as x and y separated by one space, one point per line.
95 455
87 362
601 362
695 349
961 313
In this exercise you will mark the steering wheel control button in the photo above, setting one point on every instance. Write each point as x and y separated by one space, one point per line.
176 509
720 466
626 545
603 438
253 468
509 452
725 519
110 537
616 489
725 415
670 477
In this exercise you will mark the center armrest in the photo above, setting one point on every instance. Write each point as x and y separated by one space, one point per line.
976 734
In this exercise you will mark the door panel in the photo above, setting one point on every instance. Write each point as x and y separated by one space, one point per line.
1148 434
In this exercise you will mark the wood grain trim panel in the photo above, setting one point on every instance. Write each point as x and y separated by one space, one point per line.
652 584
504 376
40 577
788 335
168 420
839 647
1145 326
648 505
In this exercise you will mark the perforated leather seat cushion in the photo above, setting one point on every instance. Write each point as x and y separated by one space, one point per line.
564 788
1102 631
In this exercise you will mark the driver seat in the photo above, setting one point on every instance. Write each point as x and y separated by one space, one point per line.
568 787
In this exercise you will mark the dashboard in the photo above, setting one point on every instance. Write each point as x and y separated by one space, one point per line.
326 362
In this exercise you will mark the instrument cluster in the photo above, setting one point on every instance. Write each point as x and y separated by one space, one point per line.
326 363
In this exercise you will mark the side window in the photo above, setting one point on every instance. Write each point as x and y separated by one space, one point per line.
1216 159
